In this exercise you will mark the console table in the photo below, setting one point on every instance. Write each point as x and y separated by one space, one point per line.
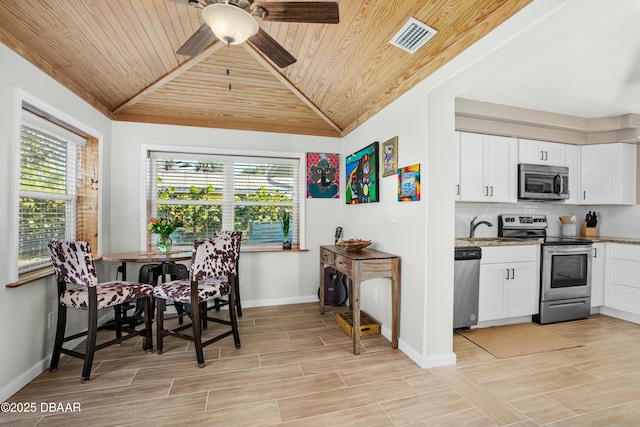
358 267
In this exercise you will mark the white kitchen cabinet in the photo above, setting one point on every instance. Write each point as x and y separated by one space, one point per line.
572 161
509 277
608 174
488 168
541 152
457 167
622 277
597 274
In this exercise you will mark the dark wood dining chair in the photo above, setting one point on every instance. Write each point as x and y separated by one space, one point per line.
211 259
73 265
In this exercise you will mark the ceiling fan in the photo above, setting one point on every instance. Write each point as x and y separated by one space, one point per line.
236 21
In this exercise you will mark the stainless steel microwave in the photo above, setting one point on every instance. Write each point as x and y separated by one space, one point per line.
542 182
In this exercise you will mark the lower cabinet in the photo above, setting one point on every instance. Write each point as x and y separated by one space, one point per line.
509 282
622 277
597 274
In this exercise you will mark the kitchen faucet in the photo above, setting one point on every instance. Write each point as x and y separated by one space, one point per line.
474 225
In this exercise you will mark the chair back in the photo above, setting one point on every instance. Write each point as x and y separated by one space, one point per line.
214 257
73 263
236 236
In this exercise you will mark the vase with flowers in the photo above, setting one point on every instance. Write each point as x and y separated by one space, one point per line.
164 227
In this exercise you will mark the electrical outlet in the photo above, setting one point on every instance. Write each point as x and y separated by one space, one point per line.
51 319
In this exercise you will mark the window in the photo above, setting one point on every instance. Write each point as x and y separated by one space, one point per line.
57 193
231 192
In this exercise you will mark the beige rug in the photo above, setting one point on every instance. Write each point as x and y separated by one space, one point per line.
517 340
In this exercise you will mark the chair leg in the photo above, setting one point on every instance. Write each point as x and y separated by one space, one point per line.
160 305
92 332
203 310
148 313
117 320
232 314
59 340
237 289
197 327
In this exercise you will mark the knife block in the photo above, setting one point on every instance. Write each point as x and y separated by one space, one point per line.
587 231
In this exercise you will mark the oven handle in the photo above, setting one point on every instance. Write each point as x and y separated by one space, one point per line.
566 304
567 250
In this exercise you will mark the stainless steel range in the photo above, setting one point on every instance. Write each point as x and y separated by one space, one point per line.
565 268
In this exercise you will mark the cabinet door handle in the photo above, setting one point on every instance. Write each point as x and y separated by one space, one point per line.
486 190
491 191
546 155
507 270
584 195
513 273
595 252
457 189
541 155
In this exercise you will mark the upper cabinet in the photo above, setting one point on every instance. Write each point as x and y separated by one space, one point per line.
608 174
541 152
488 168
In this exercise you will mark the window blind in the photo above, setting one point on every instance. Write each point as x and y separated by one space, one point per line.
213 192
50 166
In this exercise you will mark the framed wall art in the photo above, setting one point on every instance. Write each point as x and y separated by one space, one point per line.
409 183
390 157
323 176
362 175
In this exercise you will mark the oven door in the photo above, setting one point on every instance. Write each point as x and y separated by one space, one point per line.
566 272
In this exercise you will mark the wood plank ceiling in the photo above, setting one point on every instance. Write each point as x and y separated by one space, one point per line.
119 56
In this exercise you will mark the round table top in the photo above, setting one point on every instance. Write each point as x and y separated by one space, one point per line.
144 256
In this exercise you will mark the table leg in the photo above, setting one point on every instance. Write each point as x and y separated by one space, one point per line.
321 291
395 301
356 312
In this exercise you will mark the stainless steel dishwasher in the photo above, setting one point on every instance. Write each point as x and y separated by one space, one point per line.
466 280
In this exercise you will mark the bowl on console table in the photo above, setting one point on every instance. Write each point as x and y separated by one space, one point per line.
354 245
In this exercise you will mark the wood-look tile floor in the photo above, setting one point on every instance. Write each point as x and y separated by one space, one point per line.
295 368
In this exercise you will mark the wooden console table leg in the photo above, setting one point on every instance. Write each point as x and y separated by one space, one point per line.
321 292
356 311
395 301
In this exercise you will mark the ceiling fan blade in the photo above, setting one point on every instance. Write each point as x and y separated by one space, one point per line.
272 49
321 12
193 3
197 42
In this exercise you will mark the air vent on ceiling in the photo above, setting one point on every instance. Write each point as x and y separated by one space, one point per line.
412 35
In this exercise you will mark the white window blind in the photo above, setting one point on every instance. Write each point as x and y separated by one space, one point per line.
49 167
214 192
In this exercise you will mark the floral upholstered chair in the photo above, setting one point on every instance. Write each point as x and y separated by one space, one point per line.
210 260
73 264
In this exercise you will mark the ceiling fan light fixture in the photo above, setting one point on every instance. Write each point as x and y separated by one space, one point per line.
230 23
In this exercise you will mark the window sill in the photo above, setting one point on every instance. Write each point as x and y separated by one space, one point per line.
31 277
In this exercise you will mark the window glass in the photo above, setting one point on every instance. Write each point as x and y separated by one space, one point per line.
50 164
214 192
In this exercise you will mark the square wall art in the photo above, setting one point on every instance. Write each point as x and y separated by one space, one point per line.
323 176
409 183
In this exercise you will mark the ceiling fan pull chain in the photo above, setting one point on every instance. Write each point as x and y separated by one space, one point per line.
229 64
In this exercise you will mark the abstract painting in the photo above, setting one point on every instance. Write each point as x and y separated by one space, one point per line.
362 175
409 183
323 176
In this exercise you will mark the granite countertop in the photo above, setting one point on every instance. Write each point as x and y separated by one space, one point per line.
507 241
494 241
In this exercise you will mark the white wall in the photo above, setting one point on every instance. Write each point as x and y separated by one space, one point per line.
25 337
266 278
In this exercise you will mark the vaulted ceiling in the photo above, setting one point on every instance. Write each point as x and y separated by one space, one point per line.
119 56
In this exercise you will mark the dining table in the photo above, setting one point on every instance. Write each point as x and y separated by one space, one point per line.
163 258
